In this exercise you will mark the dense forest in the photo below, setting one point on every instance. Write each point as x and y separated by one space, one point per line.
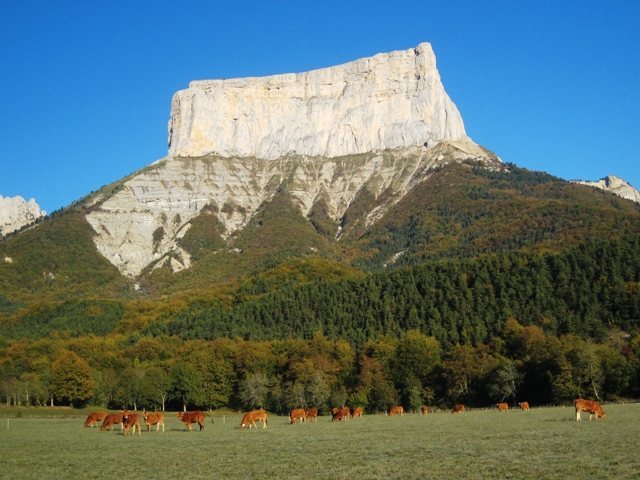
545 328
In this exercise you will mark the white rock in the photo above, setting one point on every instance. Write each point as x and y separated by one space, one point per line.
388 101
15 213
615 185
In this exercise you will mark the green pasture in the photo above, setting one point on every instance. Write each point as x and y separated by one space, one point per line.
483 444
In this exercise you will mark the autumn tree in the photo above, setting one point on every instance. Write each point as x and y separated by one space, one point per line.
72 379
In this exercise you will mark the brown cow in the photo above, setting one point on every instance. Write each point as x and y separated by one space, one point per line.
131 422
591 406
311 414
502 406
93 419
458 408
424 410
191 417
110 420
298 414
356 412
524 406
396 410
339 414
155 418
250 418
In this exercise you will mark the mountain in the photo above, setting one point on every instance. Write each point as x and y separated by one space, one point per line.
333 234
15 213
615 185
329 174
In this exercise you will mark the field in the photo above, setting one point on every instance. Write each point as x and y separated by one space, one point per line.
484 444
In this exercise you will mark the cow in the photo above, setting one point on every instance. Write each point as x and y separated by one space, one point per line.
110 420
297 414
356 412
459 408
340 413
345 413
155 418
93 419
191 417
250 418
131 422
311 414
396 410
502 406
592 407
424 410
524 406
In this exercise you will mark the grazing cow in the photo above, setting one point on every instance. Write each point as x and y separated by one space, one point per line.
457 408
93 419
396 410
110 420
590 406
298 414
311 414
424 410
131 422
156 418
191 417
356 412
524 406
250 418
502 406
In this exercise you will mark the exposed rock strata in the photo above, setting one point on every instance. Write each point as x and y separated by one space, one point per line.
388 101
15 213
615 185
142 224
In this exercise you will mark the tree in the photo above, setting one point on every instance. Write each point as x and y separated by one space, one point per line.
155 386
253 390
72 379
186 385
503 382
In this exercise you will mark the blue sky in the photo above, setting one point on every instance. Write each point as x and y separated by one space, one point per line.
86 86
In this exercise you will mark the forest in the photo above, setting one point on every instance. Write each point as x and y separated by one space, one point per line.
540 327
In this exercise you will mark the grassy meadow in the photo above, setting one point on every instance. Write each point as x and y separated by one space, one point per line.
484 444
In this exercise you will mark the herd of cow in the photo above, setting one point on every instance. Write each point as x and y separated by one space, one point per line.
130 421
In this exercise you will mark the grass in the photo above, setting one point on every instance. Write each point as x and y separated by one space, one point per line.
541 444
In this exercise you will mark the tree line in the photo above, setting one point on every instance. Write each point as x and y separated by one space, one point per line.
539 327
522 363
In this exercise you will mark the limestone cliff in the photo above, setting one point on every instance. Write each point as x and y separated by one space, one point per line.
615 185
15 213
388 101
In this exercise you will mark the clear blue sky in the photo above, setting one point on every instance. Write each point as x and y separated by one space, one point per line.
86 85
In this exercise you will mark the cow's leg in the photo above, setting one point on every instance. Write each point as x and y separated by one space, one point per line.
578 416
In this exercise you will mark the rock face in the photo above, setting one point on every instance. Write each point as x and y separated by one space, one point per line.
388 101
15 213
377 125
615 185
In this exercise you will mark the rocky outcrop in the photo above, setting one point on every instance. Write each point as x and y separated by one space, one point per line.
388 101
615 185
15 213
